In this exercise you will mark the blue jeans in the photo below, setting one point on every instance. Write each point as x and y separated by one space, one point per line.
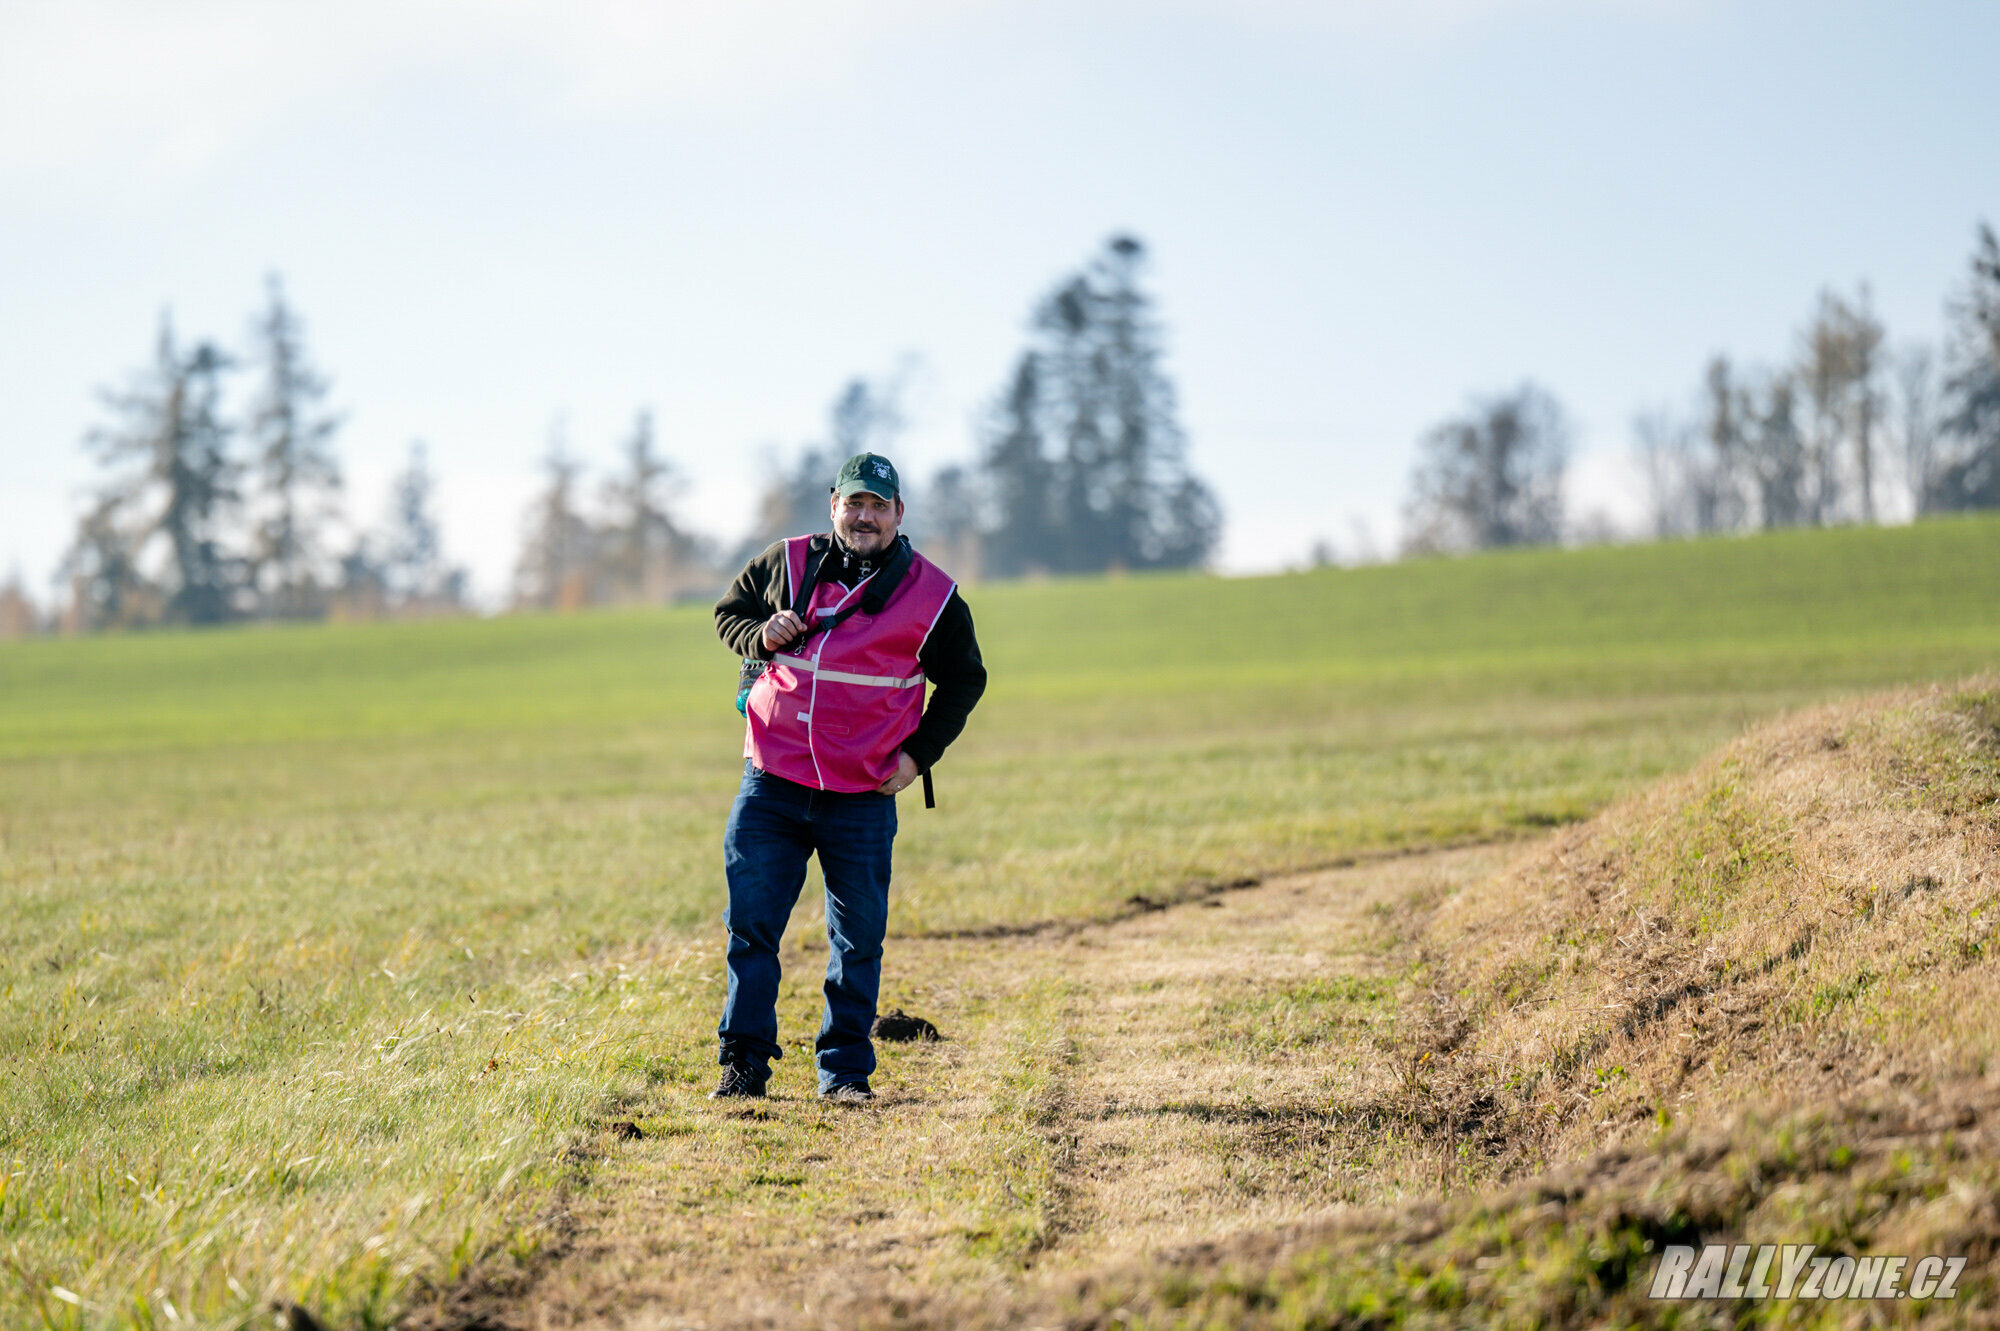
774 827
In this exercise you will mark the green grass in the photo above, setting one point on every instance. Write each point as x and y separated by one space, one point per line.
318 946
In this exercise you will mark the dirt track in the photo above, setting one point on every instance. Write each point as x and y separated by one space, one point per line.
1105 1092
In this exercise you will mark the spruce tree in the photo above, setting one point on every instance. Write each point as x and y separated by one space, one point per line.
291 442
179 483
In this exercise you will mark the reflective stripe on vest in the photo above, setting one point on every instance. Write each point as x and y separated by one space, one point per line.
843 677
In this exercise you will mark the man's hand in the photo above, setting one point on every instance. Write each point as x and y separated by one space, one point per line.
906 772
781 629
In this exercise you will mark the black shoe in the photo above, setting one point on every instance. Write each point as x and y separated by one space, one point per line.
849 1093
740 1083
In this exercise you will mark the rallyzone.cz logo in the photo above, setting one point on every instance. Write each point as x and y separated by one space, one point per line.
1791 1270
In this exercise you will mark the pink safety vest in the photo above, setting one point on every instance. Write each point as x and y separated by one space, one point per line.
834 715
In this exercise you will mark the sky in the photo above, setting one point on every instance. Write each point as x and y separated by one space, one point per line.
507 218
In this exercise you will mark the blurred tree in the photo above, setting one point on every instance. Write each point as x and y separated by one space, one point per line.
1778 454
1745 460
101 570
1966 470
646 557
1664 446
795 497
1120 495
413 569
19 617
553 572
179 484
1865 337
1492 477
1016 470
291 439
1822 374
1839 364
1917 404
361 587
1719 500
1697 469
866 417
945 521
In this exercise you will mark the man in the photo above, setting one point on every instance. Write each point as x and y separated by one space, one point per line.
852 626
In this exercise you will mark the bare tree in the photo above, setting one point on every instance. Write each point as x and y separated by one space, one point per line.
1700 470
1823 374
1840 363
1917 399
1492 477
1663 445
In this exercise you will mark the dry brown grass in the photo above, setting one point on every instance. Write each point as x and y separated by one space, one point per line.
1808 913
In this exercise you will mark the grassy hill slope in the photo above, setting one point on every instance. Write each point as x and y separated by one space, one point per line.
1756 1004
319 946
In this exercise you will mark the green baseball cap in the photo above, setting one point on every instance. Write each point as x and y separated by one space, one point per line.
867 471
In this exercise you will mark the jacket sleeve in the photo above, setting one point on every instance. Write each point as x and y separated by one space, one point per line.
756 595
950 660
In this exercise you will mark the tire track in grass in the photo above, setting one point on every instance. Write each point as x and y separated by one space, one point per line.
1228 1052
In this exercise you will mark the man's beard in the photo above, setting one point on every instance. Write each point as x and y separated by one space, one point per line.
864 542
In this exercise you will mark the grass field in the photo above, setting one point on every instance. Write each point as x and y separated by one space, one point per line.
327 952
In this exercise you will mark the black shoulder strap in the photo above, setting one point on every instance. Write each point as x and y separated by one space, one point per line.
802 595
887 578
881 586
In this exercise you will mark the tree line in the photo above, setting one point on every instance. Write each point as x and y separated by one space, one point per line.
1080 467
222 499
1831 435
221 492
207 514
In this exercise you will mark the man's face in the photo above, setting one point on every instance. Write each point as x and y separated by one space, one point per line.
866 523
